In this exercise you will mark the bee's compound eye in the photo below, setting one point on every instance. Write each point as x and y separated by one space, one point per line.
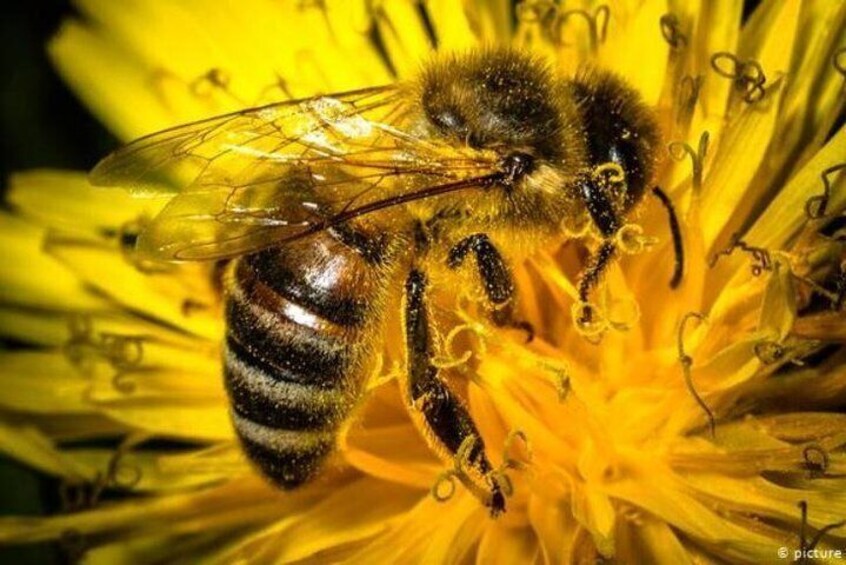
516 165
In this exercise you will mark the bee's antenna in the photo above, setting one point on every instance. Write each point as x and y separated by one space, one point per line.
675 229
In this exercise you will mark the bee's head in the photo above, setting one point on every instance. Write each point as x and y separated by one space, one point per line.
496 99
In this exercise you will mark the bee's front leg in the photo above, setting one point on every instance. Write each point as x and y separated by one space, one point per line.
601 211
496 279
440 414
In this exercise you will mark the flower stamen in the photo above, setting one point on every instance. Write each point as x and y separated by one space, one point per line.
509 462
688 95
806 546
761 257
451 359
679 149
214 79
687 363
462 462
631 241
748 76
597 25
816 460
815 207
561 380
669 24
78 495
531 11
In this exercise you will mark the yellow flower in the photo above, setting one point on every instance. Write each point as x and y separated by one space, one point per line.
605 432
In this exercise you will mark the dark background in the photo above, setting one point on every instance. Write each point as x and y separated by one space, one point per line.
43 125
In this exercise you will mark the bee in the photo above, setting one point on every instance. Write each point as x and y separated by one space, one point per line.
330 205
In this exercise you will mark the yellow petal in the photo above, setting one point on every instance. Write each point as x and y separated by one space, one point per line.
404 35
343 517
502 544
233 504
730 193
29 277
28 445
64 199
42 382
786 213
635 40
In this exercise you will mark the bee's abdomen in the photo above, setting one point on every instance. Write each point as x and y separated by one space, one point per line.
298 318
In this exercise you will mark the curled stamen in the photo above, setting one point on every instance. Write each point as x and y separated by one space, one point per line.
687 363
206 83
669 24
561 380
748 76
122 351
762 261
806 546
451 359
531 11
815 207
461 462
688 95
509 462
816 460
452 362
597 25
448 478
623 314
679 150
124 383
79 344
118 473
631 241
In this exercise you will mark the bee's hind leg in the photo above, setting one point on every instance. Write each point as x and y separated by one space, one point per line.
441 415
496 279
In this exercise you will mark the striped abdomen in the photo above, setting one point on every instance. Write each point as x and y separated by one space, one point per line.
296 351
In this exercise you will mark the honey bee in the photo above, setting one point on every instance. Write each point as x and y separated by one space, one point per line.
326 205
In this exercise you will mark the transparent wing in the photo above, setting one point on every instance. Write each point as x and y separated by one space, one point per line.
251 179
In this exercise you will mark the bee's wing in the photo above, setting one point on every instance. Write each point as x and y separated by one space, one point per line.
251 179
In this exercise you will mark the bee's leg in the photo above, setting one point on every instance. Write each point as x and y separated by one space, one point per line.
441 415
496 279
602 213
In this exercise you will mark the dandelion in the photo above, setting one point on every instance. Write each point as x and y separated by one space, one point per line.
691 424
